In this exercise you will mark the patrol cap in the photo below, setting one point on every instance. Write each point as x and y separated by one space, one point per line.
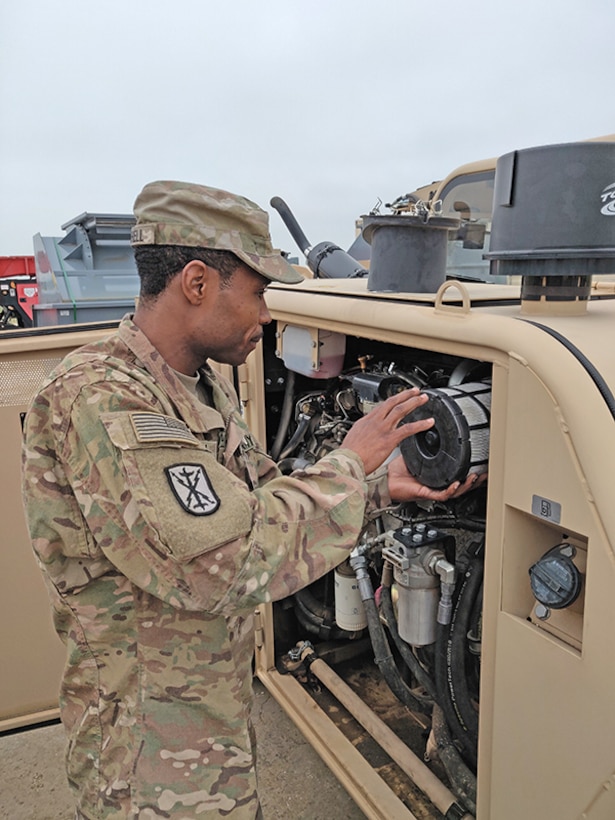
182 213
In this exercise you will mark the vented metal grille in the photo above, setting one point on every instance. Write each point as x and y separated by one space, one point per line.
19 380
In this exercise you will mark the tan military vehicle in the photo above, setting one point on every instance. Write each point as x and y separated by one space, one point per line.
461 662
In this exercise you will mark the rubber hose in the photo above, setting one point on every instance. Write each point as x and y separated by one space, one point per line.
316 625
459 628
310 624
319 613
462 778
450 665
445 701
406 653
289 465
475 630
386 663
285 415
454 522
327 613
297 436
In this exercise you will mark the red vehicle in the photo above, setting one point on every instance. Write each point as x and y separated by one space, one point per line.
18 291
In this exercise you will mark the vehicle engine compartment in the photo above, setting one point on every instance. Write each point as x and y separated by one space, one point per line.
401 619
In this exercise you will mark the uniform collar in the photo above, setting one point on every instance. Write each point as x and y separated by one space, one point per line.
198 417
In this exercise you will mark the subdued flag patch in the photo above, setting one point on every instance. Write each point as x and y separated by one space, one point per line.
151 427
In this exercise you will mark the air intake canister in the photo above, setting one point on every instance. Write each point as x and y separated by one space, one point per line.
458 443
554 211
408 253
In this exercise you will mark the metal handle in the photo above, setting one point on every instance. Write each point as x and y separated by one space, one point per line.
441 307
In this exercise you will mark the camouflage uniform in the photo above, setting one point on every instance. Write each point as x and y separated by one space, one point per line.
160 525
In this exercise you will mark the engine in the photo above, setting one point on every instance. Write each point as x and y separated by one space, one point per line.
407 604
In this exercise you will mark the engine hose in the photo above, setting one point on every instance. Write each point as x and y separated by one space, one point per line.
477 612
386 663
382 651
471 524
315 619
450 666
445 700
297 437
309 625
285 415
454 521
289 465
463 780
459 628
320 610
408 657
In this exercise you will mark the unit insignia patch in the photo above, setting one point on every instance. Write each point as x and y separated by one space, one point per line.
192 488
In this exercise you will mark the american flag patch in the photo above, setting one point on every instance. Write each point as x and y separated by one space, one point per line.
154 427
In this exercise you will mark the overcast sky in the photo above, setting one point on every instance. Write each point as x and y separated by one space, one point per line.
330 104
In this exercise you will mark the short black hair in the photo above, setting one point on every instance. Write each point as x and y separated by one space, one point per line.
158 264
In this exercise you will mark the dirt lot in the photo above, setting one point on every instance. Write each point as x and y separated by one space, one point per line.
294 782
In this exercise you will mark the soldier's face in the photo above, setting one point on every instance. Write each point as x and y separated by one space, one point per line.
237 315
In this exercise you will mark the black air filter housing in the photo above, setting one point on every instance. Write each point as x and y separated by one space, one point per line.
554 211
458 443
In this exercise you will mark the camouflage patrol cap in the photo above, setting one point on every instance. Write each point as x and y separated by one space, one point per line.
182 213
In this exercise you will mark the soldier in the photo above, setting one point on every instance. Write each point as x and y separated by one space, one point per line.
160 524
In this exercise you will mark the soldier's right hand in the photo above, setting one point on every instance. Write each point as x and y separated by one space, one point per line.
374 437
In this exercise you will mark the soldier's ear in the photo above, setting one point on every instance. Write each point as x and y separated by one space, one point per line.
195 279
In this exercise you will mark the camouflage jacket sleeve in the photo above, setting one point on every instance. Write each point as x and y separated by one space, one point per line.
161 508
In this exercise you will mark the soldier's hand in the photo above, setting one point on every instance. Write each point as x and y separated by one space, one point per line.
405 487
375 436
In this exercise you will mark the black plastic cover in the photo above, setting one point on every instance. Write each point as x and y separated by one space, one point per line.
554 211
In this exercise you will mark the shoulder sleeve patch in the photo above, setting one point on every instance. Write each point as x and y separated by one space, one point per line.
169 487
192 488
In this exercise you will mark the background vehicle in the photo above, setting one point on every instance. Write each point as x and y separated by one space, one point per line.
476 633
18 291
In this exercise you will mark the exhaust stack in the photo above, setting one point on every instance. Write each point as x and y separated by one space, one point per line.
326 260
